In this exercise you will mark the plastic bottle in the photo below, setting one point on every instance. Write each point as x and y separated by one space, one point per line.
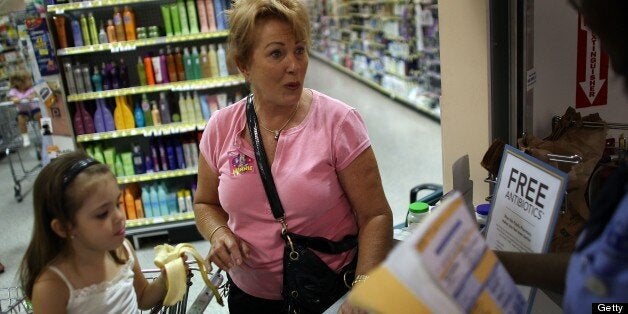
123 74
148 67
106 115
165 14
164 109
155 114
154 201
222 61
88 121
78 79
213 61
148 117
96 80
138 159
138 114
204 60
87 81
182 108
178 60
192 17
417 211
139 208
481 215
194 150
118 23
59 21
76 32
111 32
102 34
187 64
129 204
141 71
196 105
176 20
187 154
69 77
178 149
171 155
205 108
220 16
163 66
157 69
99 118
183 17
148 209
162 155
128 17
181 201
85 30
196 63
202 15
105 76
211 16
77 122
188 200
93 30
170 64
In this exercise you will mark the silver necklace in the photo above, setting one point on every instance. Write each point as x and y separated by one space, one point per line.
278 131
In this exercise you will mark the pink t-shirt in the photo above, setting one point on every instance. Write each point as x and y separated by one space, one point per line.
16 94
305 170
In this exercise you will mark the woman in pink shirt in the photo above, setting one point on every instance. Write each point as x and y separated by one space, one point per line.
320 157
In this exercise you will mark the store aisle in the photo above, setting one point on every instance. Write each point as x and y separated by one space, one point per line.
407 146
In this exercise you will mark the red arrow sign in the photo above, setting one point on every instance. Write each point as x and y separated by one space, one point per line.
592 71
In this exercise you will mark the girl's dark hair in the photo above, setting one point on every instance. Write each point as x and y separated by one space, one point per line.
52 199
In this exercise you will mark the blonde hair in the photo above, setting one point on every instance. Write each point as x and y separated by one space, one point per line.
19 77
245 15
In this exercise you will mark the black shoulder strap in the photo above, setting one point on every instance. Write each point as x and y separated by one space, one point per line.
262 160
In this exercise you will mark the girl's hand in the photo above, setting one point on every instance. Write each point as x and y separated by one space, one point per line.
227 250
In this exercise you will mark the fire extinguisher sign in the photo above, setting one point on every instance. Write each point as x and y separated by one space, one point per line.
592 72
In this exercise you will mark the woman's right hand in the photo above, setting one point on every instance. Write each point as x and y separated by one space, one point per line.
227 250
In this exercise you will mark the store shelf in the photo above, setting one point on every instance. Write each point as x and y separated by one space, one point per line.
431 114
144 225
159 130
157 175
61 8
207 83
134 44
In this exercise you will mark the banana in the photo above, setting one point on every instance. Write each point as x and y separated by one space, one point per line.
169 258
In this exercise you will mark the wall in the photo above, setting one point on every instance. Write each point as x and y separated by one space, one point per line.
555 41
465 88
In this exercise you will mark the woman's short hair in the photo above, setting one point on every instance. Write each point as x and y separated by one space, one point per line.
245 15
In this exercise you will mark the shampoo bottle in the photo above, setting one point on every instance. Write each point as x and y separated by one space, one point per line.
187 64
213 60
204 60
148 209
192 17
102 34
138 114
138 159
222 61
118 23
93 30
183 17
155 114
148 66
154 155
196 63
164 109
124 74
170 64
178 60
165 14
183 109
163 199
129 204
180 156
99 118
107 116
105 76
154 201
202 15
76 32
85 30
77 121
87 81
60 27
176 21
97 79
148 117
162 156
128 16
141 71
211 16
111 32
69 77
78 79
165 77
205 108
157 70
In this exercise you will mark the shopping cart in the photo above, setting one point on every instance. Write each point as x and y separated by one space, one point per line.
12 300
11 143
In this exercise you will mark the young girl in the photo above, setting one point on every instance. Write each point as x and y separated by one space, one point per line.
24 96
78 260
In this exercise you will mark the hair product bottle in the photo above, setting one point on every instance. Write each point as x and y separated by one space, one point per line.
211 16
196 63
148 67
170 65
187 64
163 65
77 121
93 30
205 108
196 103
141 71
88 122
155 114
213 61
138 159
222 61
154 155
148 117
99 117
138 115
124 74
118 23
162 155
69 77
129 204
176 20
87 81
96 79
165 14
157 70
192 17
85 30
154 201
76 33
182 108
78 79
102 34
178 60
60 27
148 210
183 17
111 32
164 109
204 60
114 77
128 16
220 16
189 107
201 10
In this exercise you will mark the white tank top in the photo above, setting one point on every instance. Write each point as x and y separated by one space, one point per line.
114 296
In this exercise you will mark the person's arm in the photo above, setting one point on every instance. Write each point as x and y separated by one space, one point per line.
149 294
545 271
50 294
362 183
226 250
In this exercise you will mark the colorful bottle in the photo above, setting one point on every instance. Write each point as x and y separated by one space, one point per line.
155 114
148 66
211 16
170 64
129 119
213 60
220 16
222 61
163 65
164 109
202 15
157 69
139 208
188 201
96 79
189 106
165 13
148 117
196 103
171 156
114 77
162 155
128 16
162 195
123 74
141 71
78 79
183 17
183 109
129 204
104 116
148 209
196 63
118 23
102 34
99 119
69 77
204 60
178 60
60 27
111 32
104 74
138 159
85 30
154 156
76 33
154 201
93 30
181 201
176 21
205 108
87 81
187 64
77 121
192 17
180 157
138 114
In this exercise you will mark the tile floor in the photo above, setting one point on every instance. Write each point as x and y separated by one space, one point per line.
407 146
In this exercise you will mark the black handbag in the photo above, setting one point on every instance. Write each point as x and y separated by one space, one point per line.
309 285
